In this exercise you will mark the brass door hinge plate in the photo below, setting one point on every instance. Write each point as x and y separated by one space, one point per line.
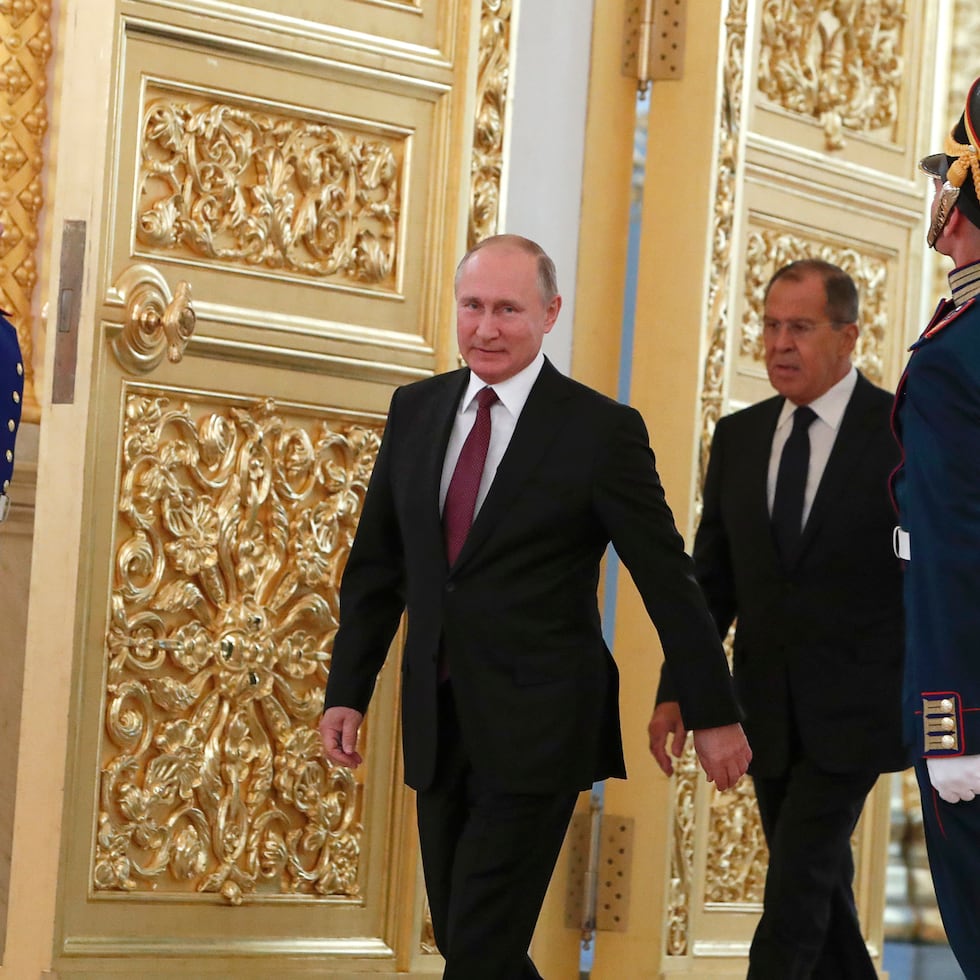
612 872
653 40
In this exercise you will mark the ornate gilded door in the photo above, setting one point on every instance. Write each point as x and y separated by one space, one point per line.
257 216
794 131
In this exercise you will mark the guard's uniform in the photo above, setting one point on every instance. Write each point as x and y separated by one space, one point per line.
11 398
937 492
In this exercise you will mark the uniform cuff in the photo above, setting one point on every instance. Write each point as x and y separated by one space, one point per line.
942 723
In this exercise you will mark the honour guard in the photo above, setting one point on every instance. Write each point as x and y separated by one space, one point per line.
937 493
11 393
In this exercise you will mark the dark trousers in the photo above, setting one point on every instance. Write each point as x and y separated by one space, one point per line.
487 858
809 926
953 842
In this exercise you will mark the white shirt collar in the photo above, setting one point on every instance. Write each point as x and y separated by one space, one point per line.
511 393
830 406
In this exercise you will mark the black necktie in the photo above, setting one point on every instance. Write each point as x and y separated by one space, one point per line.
787 505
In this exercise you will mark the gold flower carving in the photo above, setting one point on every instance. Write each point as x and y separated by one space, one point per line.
233 530
493 76
255 190
839 63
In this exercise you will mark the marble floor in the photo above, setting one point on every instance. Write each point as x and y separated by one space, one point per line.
920 961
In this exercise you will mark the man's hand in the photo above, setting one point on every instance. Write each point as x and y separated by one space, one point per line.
667 723
955 778
724 754
338 730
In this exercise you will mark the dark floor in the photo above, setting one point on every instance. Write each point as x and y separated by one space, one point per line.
912 961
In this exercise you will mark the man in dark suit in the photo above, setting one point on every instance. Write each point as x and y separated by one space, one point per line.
509 695
795 541
937 489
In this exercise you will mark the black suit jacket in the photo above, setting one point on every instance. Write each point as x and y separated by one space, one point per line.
818 646
517 614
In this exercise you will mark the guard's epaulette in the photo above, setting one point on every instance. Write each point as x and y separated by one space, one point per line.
944 321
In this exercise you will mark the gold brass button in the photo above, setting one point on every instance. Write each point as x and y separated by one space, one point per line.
20 368
948 741
947 705
16 397
949 724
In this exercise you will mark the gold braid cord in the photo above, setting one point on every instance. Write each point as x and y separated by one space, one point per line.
967 162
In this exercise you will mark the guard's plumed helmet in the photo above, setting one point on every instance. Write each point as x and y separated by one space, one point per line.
958 167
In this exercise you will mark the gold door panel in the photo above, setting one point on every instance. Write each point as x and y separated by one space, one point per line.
282 209
303 205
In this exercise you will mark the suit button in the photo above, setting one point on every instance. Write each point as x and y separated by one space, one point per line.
450 586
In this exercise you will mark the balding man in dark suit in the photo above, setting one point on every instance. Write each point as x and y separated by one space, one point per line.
496 491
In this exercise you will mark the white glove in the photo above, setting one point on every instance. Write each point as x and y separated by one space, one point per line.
955 778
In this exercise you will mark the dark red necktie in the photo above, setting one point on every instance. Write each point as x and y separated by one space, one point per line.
457 512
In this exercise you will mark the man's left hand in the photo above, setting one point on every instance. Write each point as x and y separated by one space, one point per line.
666 729
724 754
955 778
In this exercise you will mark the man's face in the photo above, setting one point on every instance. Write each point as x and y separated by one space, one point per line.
805 355
501 317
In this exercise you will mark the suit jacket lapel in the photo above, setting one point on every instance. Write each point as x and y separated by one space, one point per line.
541 416
756 461
855 429
433 431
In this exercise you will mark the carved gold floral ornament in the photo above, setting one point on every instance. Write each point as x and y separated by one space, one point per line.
493 78
252 189
840 63
233 529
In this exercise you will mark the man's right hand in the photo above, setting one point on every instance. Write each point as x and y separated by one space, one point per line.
338 730
724 754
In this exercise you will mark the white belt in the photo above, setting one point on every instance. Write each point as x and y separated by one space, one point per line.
902 543
4 507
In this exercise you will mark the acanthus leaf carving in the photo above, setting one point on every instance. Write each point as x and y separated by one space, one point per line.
255 190
233 528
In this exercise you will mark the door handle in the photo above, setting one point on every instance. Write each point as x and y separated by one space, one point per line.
158 321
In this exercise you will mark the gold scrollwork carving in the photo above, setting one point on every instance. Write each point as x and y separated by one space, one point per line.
768 250
493 76
234 527
840 64
156 323
737 854
256 190
682 852
730 120
25 30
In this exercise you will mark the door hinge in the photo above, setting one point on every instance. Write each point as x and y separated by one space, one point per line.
653 42
600 857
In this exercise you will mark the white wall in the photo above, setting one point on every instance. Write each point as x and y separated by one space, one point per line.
542 185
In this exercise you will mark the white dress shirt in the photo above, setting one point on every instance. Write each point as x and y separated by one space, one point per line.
830 407
504 413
